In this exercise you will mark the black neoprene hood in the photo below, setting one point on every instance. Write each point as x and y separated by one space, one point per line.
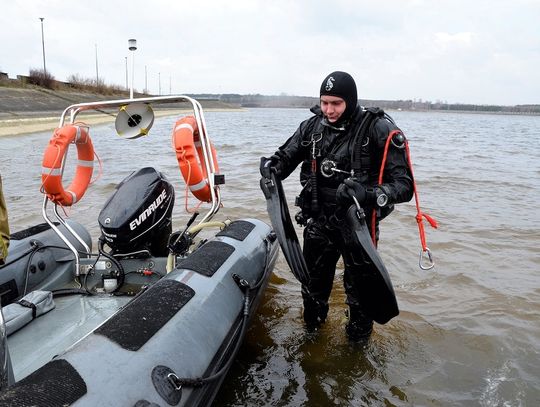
342 85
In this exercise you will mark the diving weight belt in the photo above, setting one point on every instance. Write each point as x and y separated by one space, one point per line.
283 227
376 291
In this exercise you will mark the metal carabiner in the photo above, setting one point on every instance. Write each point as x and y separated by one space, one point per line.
359 211
315 152
429 265
175 381
315 138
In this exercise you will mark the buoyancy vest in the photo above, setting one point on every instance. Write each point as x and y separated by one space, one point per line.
345 152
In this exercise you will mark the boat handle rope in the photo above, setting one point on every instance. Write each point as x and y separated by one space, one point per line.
243 284
179 382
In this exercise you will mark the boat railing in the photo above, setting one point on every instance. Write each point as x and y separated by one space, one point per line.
69 116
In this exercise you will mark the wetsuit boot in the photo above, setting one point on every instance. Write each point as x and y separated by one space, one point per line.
360 326
315 312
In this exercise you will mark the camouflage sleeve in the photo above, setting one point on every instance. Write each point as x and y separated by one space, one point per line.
4 227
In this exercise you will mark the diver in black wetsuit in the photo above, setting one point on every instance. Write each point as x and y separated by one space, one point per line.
341 151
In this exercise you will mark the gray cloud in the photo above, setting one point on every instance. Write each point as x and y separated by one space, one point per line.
455 51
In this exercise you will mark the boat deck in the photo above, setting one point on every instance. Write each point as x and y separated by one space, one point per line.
74 317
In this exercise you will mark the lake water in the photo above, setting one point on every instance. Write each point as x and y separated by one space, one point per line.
469 330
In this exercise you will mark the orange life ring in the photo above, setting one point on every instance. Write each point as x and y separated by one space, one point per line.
189 154
51 173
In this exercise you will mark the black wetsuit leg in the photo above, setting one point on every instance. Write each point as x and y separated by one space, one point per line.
360 325
322 254
355 279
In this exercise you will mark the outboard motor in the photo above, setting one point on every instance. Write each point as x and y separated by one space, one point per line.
138 215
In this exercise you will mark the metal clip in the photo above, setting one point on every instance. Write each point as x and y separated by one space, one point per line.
315 138
359 211
429 265
315 152
175 381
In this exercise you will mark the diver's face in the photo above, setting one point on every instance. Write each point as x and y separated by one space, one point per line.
332 107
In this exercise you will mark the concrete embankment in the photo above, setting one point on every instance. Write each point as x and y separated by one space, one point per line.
29 110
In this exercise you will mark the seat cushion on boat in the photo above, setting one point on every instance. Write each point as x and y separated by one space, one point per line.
55 384
31 306
208 258
134 325
238 230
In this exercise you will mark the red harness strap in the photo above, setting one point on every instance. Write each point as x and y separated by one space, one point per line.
424 265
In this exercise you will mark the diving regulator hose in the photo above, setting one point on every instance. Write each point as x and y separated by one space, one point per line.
192 232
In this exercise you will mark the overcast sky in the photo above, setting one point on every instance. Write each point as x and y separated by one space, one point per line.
485 52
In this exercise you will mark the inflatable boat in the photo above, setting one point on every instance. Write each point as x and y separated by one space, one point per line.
150 317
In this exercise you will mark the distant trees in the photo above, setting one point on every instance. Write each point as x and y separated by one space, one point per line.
93 85
44 79
41 78
257 100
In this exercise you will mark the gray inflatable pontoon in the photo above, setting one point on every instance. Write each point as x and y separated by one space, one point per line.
149 319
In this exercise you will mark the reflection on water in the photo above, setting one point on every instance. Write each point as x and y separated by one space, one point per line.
468 331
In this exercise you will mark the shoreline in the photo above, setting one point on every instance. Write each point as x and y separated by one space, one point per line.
37 122
41 121
32 109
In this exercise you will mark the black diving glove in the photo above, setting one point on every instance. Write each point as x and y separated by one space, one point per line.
371 196
269 165
349 189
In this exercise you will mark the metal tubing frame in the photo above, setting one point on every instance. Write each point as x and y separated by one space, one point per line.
61 235
75 109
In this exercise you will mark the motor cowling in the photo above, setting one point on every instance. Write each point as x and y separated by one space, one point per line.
138 215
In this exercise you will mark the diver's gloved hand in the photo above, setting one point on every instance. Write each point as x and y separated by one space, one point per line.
349 189
269 165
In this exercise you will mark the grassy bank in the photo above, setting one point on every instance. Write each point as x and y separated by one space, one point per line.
35 109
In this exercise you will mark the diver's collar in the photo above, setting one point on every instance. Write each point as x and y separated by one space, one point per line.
341 127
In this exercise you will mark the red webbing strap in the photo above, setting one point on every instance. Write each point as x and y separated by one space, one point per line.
379 182
419 214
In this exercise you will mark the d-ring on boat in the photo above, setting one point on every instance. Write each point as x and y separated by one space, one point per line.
151 317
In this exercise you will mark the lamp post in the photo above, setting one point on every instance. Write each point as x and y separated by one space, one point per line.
43 45
97 71
145 80
132 43
126 75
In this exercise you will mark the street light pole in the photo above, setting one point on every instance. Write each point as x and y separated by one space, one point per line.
43 45
132 47
97 71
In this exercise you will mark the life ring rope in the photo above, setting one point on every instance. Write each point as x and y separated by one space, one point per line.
186 190
100 168
191 160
